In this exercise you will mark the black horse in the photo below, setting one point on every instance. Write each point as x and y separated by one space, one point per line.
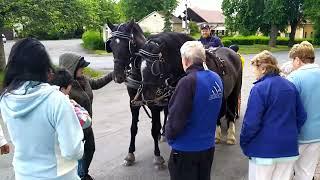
161 68
125 43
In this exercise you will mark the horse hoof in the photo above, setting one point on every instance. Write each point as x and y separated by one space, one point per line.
231 141
160 167
163 139
158 160
218 141
129 160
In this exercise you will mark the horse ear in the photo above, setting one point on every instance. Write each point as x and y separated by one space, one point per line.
110 25
131 25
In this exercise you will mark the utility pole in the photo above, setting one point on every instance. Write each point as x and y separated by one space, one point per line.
187 26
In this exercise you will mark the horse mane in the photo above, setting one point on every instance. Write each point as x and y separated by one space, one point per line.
171 43
137 31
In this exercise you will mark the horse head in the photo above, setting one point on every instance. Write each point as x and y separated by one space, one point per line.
125 42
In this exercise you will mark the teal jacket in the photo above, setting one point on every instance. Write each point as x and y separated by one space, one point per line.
307 81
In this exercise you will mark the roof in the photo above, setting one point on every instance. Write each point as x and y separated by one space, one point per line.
209 16
174 19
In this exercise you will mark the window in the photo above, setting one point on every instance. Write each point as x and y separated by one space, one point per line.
311 34
222 32
305 34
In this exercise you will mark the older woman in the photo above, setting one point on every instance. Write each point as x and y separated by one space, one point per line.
272 122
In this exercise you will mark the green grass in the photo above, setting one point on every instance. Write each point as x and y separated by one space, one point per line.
101 52
1 78
257 48
98 52
92 73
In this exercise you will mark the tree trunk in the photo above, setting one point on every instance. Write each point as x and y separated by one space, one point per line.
2 56
273 35
294 25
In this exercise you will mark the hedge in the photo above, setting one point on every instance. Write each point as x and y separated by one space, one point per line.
93 40
250 40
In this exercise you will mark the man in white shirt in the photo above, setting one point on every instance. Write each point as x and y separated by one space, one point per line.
4 146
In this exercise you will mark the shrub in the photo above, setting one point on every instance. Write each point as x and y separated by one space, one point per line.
147 34
194 28
226 42
240 40
93 40
250 40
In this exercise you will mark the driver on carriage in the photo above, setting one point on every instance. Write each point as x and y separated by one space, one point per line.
207 39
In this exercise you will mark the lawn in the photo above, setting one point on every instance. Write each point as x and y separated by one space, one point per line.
92 73
254 49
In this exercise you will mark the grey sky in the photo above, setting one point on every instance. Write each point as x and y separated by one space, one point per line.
202 4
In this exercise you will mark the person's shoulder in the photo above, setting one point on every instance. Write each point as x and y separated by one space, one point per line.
213 75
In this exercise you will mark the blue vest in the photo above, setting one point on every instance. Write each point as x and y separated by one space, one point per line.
199 133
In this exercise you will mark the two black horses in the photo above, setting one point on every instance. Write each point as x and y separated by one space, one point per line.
125 42
152 67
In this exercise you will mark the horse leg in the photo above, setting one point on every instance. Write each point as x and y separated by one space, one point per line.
232 109
218 132
130 158
166 112
221 114
155 131
231 133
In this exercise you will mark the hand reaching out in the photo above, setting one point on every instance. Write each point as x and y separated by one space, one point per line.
5 149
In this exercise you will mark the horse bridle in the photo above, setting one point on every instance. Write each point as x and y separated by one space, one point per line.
133 57
166 89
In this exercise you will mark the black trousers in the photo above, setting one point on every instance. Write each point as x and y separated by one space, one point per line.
89 149
191 165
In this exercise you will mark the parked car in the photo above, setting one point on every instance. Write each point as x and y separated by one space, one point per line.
4 39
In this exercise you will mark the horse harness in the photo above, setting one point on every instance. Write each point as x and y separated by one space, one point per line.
219 62
130 82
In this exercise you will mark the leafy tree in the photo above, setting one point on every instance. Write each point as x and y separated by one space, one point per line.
311 10
249 16
295 16
138 9
168 7
194 28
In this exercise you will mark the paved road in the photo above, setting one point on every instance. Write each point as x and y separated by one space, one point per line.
56 48
112 131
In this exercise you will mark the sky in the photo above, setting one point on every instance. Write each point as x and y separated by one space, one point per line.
202 4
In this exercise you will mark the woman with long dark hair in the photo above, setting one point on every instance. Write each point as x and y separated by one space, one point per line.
41 122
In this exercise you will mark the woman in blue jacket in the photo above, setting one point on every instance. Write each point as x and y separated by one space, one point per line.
272 122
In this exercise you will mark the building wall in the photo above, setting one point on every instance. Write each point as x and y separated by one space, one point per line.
177 28
303 31
153 24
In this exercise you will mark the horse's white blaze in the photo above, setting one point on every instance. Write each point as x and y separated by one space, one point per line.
143 65
117 40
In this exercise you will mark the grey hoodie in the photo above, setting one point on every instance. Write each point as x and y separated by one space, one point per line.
82 88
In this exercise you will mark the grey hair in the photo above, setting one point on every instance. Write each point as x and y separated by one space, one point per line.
193 51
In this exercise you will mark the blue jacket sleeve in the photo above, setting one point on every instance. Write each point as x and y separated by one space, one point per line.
68 129
253 118
180 107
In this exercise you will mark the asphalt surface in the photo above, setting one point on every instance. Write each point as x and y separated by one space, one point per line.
111 124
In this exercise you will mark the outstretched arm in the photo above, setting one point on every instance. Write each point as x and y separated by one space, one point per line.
101 82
